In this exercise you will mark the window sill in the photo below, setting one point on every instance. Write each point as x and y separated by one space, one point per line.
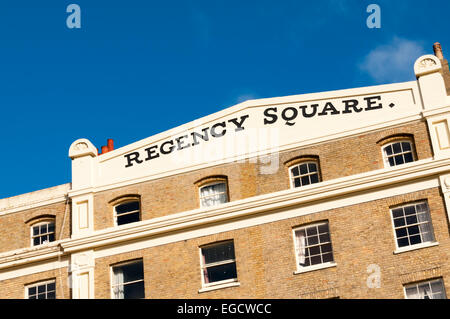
315 267
220 286
415 247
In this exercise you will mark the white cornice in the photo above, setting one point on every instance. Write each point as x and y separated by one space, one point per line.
29 255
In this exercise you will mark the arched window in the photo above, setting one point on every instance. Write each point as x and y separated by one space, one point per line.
42 232
213 191
304 171
398 150
126 209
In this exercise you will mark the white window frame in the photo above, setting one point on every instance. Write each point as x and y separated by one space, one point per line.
127 213
327 264
222 283
415 246
129 262
429 282
42 222
291 177
386 157
211 184
40 283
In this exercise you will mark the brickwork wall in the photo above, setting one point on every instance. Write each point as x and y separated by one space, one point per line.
361 235
15 288
17 225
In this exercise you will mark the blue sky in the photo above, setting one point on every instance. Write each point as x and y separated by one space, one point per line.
140 67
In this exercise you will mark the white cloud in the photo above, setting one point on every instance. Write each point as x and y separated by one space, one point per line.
245 97
393 62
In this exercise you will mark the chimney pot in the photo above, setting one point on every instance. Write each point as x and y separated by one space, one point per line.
110 143
105 149
438 51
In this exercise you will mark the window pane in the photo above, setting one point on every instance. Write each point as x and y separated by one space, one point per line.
408 157
51 237
132 272
412 219
303 169
324 238
401 232
409 210
134 291
406 146
411 292
314 250
313 240
305 180
397 212
415 240
398 222
413 230
51 227
35 230
314 178
327 257
129 218
212 195
397 148
399 160
312 167
43 229
36 241
127 207
388 150
325 248
32 290
297 182
391 161
310 231
219 252
222 272
316 260
403 242
51 295
51 286
295 171
323 228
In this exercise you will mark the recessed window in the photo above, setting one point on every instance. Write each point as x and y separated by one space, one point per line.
42 233
313 245
213 194
218 263
128 280
432 289
128 212
43 290
398 153
304 173
412 224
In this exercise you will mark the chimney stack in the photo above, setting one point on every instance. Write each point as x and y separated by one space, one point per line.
110 144
108 148
438 51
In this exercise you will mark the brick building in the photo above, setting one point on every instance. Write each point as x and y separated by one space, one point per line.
342 194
